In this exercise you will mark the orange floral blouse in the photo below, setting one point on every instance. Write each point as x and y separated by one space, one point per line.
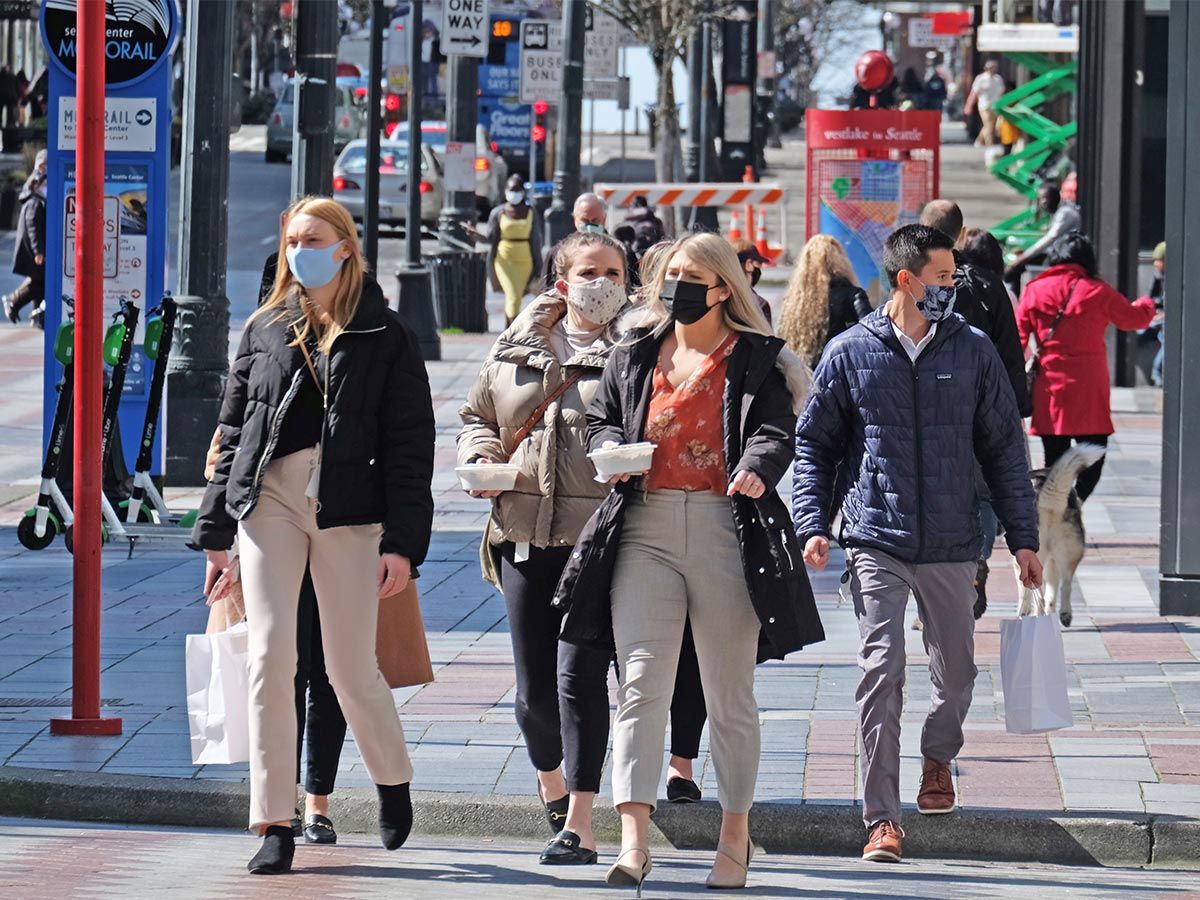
685 423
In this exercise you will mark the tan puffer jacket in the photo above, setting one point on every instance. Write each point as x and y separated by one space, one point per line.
556 492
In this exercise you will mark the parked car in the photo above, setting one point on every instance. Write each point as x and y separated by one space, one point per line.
491 171
349 182
349 121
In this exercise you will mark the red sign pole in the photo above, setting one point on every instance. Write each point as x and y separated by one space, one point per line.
89 378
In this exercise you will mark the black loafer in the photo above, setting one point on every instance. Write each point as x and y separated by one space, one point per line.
682 790
319 830
297 825
556 813
564 850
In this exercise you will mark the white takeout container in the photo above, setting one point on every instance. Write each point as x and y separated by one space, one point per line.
487 476
631 459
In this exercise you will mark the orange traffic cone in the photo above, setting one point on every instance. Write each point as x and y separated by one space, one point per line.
735 228
760 235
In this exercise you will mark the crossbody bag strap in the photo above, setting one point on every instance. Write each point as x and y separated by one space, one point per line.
536 416
1054 325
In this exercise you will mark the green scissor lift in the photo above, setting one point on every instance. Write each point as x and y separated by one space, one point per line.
1047 140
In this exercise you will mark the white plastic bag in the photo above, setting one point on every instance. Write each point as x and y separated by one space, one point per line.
1034 674
218 695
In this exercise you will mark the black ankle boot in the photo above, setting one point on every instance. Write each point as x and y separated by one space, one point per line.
274 857
395 814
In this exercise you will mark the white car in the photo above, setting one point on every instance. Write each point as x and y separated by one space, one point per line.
491 171
349 182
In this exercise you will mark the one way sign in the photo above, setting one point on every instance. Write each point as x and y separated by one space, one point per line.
465 27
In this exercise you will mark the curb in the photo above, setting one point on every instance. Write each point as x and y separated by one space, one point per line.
1129 840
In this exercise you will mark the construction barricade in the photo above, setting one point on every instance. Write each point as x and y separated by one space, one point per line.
733 195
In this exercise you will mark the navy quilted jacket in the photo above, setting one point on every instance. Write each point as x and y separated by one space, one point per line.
893 445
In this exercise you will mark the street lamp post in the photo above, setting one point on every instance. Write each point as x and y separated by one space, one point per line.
199 360
416 294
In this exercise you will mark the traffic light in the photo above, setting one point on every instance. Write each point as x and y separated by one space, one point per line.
538 131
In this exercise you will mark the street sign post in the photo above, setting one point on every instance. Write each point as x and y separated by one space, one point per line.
541 61
601 43
465 28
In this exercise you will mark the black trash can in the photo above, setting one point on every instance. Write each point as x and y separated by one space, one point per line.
460 289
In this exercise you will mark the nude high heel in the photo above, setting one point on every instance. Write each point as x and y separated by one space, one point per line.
737 881
628 876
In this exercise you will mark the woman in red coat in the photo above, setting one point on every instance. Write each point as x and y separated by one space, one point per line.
1071 392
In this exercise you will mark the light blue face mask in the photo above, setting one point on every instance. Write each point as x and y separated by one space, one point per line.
592 229
936 302
314 267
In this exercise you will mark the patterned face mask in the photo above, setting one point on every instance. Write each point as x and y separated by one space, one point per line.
937 302
597 301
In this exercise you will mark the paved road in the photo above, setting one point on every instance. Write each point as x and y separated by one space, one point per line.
51 860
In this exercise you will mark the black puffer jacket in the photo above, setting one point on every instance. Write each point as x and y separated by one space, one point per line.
983 301
758 417
892 444
377 445
31 233
847 304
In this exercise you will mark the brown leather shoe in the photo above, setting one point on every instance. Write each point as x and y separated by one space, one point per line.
937 789
884 843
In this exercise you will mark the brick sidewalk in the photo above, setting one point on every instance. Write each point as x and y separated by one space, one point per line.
1135 685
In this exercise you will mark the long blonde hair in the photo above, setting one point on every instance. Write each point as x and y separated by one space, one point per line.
349 279
741 310
804 319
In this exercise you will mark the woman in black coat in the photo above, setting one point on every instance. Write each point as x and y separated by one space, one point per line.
701 534
325 460
29 255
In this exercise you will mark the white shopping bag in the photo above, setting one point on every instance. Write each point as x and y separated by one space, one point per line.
218 695
1034 675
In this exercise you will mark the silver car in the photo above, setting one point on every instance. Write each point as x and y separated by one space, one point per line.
349 182
349 121
491 171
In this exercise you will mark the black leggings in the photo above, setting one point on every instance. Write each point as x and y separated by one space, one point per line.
318 714
1055 445
562 689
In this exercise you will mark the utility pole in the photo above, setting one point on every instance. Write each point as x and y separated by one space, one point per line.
316 31
374 127
691 161
199 362
768 12
570 125
462 116
704 218
416 292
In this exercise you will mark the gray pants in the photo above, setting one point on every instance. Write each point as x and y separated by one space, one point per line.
879 586
679 559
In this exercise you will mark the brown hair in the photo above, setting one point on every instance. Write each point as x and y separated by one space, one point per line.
349 279
576 241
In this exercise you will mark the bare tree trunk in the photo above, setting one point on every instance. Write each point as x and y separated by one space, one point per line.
667 152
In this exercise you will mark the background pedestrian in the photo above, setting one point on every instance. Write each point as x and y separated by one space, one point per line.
1066 310
823 299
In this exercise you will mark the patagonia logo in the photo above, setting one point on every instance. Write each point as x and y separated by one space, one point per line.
944 376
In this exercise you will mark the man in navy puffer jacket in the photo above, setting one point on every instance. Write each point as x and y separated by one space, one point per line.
902 405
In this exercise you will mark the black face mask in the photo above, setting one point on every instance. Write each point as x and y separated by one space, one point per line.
755 274
686 301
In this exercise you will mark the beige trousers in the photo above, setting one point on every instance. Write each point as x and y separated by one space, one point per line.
987 128
275 541
679 558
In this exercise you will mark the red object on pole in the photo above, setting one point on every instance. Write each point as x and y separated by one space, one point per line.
89 379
